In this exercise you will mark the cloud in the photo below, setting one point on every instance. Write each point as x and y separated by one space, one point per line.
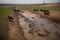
27 1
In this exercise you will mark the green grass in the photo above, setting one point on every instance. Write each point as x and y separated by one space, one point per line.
3 22
39 7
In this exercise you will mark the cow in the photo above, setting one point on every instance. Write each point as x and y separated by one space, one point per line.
10 18
46 12
41 10
35 10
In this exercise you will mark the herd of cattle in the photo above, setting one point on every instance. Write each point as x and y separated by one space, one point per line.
17 10
46 12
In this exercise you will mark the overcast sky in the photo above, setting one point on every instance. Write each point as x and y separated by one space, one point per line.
27 1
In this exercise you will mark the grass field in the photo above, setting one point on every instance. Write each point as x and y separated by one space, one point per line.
48 6
5 10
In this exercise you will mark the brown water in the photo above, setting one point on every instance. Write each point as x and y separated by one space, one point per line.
46 30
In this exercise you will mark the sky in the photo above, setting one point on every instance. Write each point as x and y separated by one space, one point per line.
27 1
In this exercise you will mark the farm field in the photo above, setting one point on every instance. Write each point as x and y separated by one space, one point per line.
7 29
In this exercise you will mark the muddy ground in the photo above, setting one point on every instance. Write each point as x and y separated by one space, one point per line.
36 28
33 27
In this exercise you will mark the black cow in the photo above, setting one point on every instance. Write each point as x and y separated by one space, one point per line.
41 10
16 10
46 12
10 18
35 10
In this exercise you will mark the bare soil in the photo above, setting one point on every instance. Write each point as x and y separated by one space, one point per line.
15 32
